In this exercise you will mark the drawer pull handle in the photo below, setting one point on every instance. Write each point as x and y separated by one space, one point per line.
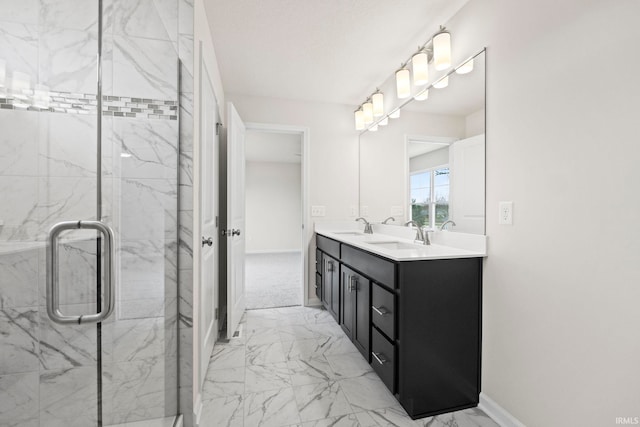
380 310
380 358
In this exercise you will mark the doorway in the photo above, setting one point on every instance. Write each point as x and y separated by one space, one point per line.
273 268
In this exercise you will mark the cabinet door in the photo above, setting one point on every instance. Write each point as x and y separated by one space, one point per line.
335 291
326 281
347 318
362 315
330 282
355 314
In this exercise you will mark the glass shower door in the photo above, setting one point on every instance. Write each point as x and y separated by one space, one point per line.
63 162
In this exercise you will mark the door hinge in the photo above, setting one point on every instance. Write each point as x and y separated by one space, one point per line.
216 221
218 125
216 314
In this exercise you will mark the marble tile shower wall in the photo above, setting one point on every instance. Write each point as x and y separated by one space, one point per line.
48 174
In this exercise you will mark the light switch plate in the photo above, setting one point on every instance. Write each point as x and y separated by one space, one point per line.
364 210
505 213
317 211
396 211
353 211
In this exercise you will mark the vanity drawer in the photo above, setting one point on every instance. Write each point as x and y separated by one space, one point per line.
383 358
318 261
376 268
328 246
383 310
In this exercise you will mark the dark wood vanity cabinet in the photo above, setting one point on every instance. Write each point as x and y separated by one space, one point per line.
418 323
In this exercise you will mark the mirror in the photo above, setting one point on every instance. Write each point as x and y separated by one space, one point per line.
429 164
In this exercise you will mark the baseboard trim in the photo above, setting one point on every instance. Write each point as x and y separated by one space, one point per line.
313 302
272 251
197 409
179 422
498 413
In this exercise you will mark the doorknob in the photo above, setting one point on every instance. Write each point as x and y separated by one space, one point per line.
235 232
208 241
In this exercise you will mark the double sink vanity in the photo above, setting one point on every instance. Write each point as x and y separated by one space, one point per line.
412 310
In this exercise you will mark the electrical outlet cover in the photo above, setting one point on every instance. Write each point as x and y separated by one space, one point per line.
505 213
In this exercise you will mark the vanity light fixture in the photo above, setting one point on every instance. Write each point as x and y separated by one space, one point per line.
403 82
367 109
465 68
377 99
422 96
384 121
373 128
442 50
436 52
420 65
443 82
359 117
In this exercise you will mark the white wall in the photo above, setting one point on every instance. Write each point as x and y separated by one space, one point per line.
273 207
474 123
561 345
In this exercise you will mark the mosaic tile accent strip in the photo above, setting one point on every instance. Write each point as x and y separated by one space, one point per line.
78 103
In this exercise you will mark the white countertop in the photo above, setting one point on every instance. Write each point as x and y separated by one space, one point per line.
445 244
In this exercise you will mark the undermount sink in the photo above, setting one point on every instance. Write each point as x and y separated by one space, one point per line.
394 245
349 233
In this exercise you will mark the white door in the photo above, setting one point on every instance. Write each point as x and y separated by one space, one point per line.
209 152
235 219
466 205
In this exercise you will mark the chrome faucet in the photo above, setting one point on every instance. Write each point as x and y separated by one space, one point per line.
449 221
390 218
421 235
367 226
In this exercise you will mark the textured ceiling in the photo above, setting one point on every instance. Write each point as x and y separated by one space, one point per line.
320 50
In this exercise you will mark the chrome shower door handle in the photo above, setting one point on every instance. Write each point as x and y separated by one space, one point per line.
53 279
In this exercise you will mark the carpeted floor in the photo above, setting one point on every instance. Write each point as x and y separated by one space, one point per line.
273 280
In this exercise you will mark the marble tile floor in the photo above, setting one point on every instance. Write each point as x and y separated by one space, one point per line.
294 366
273 280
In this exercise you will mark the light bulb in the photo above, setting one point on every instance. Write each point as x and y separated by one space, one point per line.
443 82
422 95
465 68
378 104
403 83
395 114
420 65
367 109
359 116
442 50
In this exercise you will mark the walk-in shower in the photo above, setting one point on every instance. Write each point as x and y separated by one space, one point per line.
89 167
